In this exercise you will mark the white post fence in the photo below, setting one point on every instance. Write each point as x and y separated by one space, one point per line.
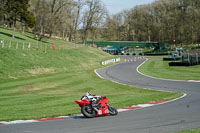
8 44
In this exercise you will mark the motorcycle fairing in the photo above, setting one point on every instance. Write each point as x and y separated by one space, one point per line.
104 107
83 102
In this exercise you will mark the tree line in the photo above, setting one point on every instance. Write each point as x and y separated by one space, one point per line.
75 20
172 21
15 12
70 19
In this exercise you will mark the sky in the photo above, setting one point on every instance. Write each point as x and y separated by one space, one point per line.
115 6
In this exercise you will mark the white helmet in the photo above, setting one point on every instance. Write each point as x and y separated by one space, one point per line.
87 94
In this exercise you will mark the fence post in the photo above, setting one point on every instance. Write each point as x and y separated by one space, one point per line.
10 45
2 44
29 46
197 58
17 45
188 58
45 48
23 46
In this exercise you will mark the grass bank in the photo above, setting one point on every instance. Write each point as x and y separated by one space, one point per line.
34 84
37 84
189 131
155 67
22 41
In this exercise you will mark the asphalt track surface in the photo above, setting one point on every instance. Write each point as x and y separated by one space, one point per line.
173 116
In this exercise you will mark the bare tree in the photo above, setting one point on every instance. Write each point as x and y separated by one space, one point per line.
161 21
94 14
79 6
53 16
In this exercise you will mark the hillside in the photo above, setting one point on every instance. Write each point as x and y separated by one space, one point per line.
17 64
21 63
37 83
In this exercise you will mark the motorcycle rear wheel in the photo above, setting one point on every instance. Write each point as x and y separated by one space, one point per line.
112 111
88 111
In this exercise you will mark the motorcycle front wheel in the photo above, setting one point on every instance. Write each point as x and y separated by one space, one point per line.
88 111
112 110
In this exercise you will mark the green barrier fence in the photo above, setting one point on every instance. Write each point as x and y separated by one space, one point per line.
157 46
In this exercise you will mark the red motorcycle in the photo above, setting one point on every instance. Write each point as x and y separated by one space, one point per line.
90 109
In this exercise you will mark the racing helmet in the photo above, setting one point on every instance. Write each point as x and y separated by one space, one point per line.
87 94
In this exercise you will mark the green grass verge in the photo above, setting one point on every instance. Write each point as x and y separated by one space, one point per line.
157 68
38 84
189 131
34 86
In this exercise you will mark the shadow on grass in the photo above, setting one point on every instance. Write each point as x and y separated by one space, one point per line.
36 39
9 35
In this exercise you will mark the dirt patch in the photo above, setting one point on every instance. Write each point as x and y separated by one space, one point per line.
39 70
11 77
35 87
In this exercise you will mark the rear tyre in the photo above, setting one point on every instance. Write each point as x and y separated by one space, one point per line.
112 111
88 112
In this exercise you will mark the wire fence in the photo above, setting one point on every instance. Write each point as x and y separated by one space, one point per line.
7 44
192 59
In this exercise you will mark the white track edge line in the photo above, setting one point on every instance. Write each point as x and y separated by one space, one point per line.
119 110
79 115
184 94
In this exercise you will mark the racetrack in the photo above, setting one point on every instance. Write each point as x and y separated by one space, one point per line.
178 115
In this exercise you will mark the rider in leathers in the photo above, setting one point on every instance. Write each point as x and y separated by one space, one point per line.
93 98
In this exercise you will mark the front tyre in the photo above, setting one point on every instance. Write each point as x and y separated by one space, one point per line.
88 112
112 111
